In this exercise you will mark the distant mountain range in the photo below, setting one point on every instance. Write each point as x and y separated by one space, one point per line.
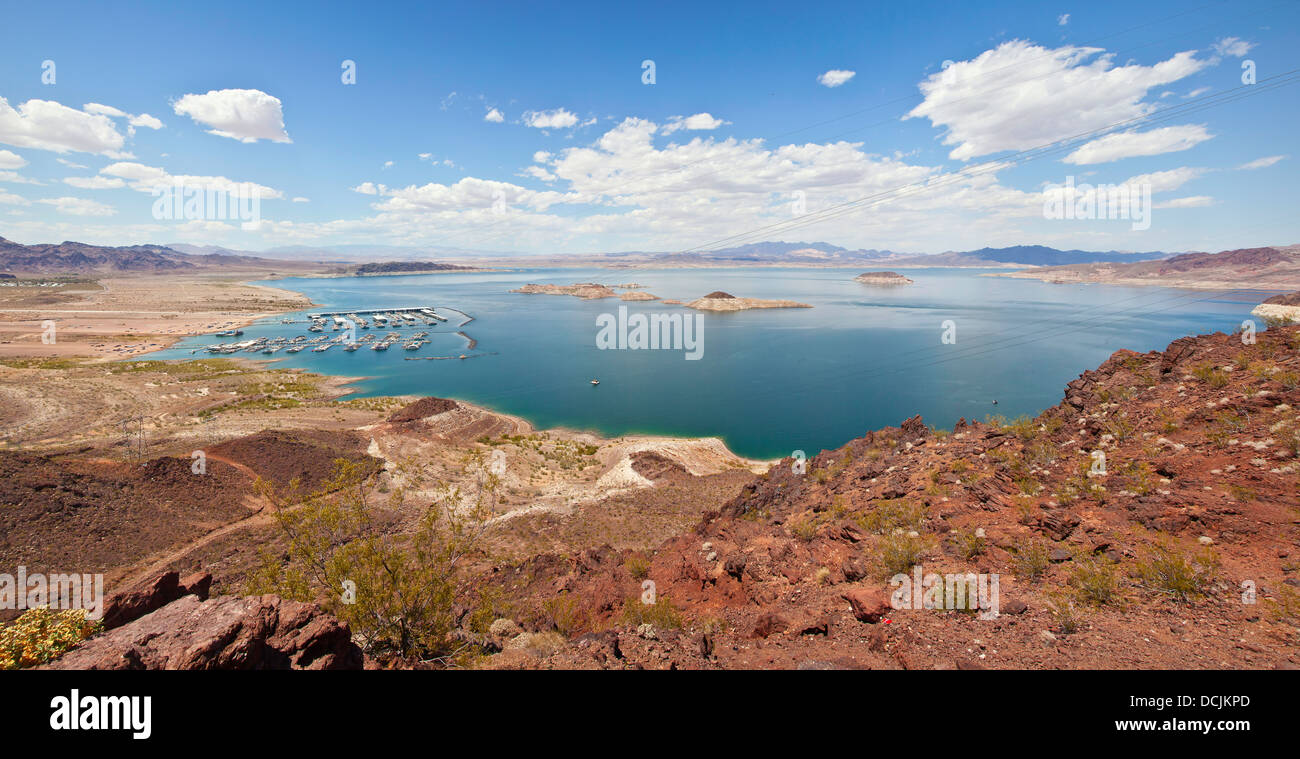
1273 268
1081 265
80 258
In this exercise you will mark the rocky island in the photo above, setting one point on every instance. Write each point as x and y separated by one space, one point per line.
882 278
720 301
584 290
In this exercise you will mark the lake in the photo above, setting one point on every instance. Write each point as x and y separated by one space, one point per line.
766 381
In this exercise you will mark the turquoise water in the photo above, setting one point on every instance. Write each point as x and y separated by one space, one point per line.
768 381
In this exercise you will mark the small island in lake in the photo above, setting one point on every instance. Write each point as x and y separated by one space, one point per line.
882 278
584 290
720 301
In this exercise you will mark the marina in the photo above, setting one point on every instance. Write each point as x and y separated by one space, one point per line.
346 323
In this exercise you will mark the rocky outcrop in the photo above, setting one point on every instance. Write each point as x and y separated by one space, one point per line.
130 605
882 278
227 632
421 409
720 301
584 290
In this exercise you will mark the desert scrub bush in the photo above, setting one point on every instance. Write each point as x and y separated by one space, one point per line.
713 625
936 490
1224 426
1026 510
1067 614
892 514
638 566
899 552
405 592
1041 453
563 614
1030 559
1026 484
1211 375
40 363
969 543
804 526
823 576
1080 485
1168 422
1289 380
1140 477
41 635
662 614
1285 607
1164 569
1095 581
1119 426
1241 493
1025 428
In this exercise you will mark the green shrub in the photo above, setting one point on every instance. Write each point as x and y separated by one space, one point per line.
901 551
1030 559
1095 580
969 543
1166 570
638 566
662 614
1211 375
401 594
41 635
892 514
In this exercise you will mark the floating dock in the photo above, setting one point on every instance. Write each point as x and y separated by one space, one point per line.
385 313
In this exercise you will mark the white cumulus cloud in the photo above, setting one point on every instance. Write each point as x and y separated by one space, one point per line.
1128 144
244 115
11 160
79 206
1195 201
146 121
1233 46
698 122
95 183
835 77
1020 95
494 115
144 178
554 119
48 125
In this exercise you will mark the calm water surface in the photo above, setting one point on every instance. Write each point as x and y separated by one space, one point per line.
769 381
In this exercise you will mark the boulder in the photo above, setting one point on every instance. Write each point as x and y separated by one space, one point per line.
130 605
868 604
227 632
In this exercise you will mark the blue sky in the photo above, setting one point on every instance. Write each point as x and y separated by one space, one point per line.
738 138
